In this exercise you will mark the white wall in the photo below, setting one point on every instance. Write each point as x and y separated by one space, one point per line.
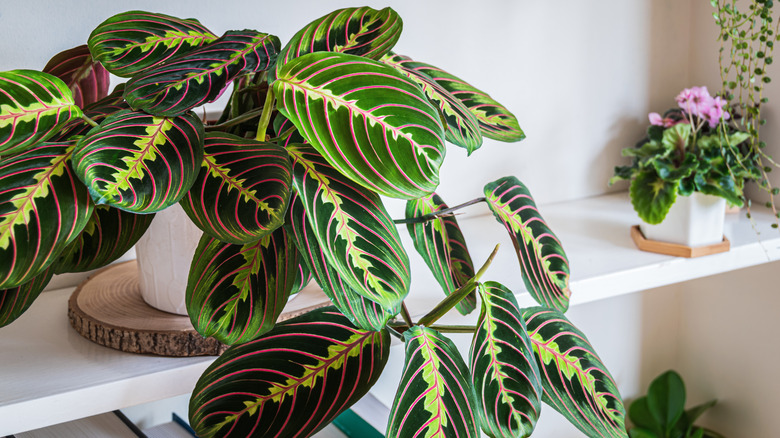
580 76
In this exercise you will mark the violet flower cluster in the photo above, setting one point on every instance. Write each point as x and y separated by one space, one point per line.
695 102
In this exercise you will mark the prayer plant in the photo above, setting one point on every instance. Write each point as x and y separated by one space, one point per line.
288 185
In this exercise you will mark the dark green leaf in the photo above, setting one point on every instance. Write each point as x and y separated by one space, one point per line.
109 234
504 371
16 300
243 188
140 163
200 76
543 262
666 400
370 122
134 41
358 31
235 293
43 207
361 311
576 382
33 107
434 398
291 382
441 244
354 231
651 196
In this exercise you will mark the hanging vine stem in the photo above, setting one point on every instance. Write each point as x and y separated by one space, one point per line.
751 36
249 115
434 215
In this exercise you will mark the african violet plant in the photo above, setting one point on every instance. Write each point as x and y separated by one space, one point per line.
691 148
288 185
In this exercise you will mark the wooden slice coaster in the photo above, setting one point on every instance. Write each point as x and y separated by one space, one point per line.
108 309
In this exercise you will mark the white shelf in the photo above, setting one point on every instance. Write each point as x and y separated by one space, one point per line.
604 262
50 374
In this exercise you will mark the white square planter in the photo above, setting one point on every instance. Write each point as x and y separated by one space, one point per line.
693 221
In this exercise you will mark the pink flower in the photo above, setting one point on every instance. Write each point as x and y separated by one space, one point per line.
655 119
695 101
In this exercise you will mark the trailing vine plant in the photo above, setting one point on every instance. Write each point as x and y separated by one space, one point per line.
747 39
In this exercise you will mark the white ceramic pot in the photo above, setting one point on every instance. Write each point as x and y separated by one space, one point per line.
695 220
164 256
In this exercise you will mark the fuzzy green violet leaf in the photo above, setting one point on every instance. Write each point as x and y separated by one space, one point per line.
235 293
370 122
354 231
504 372
138 162
575 380
16 300
133 41
462 127
543 262
200 76
88 80
33 107
495 121
290 382
109 234
242 190
652 196
43 207
361 311
435 398
441 244
360 31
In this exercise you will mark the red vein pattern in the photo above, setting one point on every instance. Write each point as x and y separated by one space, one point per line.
235 293
575 380
542 259
462 127
33 107
361 311
291 382
87 80
16 300
360 31
504 371
370 122
353 230
242 190
131 42
140 163
109 234
200 76
435 398
443 248
495 120
43 207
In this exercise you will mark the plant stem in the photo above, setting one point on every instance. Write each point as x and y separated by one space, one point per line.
262 126
434 215
405 315
454 328
460 293
249 115
89 121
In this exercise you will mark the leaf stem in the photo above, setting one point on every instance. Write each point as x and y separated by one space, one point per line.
434 215
405 315
454 328
460 293
89 121
262 126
